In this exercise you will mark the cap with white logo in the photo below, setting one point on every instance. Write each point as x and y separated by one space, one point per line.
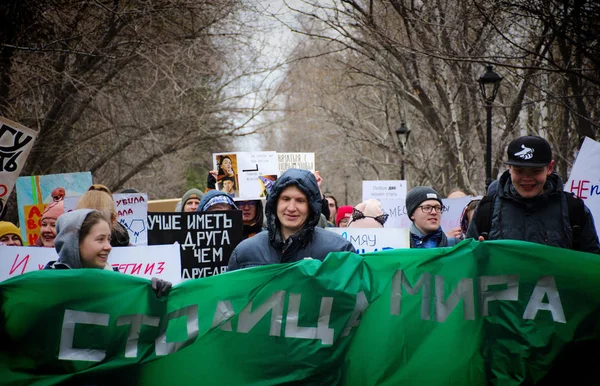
529 151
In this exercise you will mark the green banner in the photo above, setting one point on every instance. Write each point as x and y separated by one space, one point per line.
502 312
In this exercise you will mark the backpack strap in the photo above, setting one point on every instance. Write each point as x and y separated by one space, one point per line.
576 209
485 210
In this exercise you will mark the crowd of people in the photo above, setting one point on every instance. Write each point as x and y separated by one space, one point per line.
526 203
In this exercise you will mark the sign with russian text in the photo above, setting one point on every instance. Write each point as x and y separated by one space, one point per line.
480 313
207 239
295 160
384 190
398 216
374 239
246 175
454 208
36 190
584 180
391 194
15 143
161 261
132 213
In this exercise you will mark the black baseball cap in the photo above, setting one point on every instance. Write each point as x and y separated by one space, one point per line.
529 151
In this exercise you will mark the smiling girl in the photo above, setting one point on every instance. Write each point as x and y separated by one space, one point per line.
82 241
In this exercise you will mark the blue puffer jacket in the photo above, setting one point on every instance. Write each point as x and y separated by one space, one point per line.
311 241
543 219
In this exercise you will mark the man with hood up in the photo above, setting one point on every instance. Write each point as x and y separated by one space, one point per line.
293 211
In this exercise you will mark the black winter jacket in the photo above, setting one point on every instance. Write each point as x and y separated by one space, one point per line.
543 219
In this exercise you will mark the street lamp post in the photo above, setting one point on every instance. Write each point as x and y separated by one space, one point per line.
402 132
489 83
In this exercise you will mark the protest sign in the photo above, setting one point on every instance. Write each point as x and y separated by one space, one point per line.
161 261
246 175
206 239
454 208
19 260
391 194
398 218
33 223
132 213
148 261
480 313
15 143
374 239
584 180
384 190
36 190
396 209
287 161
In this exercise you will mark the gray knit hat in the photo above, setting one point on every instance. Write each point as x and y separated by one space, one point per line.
417 195
192 193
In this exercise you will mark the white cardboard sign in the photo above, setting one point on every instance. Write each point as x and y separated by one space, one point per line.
374 239
287 161
162 261
246 175
584 180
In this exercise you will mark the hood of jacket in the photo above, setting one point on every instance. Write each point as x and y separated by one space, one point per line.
506 189
307 183
68 227
212 194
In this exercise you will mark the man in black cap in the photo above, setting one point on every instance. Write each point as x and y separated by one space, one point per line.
530 204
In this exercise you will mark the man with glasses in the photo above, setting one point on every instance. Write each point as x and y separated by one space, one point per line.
424 208
252 216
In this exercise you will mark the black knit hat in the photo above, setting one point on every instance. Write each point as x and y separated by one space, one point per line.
417 195
529 151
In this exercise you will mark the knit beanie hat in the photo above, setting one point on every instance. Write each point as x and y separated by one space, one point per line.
417 195
341 213
8 228
54 210
192 193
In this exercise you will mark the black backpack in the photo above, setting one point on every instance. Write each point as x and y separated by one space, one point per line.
575 205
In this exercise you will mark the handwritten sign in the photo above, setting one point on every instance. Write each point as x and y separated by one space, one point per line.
207 239
15 143
584 180
246 175
33 223
374 239
132 213
146 261
35 190
162 261
454 209
287 161
398 217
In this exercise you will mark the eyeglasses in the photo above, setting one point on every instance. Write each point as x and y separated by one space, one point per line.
245 203
428 208
357 215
